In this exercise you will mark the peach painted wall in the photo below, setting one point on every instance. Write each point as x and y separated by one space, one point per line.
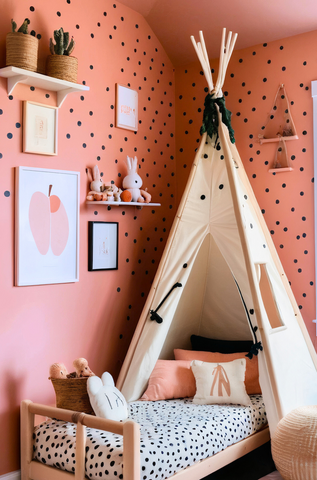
94 318
286 199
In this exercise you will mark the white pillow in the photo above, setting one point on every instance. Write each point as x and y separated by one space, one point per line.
106 400
220 382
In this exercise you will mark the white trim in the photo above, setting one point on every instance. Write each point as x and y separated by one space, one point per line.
11 476
314 95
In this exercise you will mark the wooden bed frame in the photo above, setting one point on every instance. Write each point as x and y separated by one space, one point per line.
130 430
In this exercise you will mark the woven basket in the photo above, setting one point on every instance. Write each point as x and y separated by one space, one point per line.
71 394
63 67
294 444
22 51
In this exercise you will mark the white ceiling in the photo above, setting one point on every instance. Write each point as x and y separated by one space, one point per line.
255 21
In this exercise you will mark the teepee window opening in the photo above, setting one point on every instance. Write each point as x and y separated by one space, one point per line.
269 299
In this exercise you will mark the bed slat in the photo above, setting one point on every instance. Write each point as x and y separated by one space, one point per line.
38 471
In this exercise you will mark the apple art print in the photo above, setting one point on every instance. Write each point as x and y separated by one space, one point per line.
47 222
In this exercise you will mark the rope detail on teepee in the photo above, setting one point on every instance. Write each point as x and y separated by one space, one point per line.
210 117
256 347
154 315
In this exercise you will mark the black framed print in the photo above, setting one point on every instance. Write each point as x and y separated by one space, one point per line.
102 246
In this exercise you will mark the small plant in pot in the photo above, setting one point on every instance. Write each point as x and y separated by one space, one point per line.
60 64
22 47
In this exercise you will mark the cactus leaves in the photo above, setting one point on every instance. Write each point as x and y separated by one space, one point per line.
23 28
62 44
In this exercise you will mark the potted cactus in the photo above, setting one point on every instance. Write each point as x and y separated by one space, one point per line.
22 47
60 64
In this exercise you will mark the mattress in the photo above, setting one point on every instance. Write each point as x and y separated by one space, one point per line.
174 435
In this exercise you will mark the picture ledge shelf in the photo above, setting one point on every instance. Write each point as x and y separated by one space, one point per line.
126 204
16 75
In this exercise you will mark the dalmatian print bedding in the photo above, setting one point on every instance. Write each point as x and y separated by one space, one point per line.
174 435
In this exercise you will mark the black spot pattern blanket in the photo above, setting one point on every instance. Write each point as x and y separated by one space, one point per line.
174 435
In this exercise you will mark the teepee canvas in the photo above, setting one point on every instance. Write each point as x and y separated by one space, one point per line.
220 275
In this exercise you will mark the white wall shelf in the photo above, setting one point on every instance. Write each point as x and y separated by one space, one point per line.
125 204
16 75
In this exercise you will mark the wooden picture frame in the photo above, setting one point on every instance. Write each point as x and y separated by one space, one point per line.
46 226
39 128
126 108
102 246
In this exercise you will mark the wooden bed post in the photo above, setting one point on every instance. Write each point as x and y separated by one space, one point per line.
131 450
80 446
27 426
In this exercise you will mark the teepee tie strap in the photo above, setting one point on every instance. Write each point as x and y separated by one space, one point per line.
154 314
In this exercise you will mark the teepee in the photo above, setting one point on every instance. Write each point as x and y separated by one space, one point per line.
220 275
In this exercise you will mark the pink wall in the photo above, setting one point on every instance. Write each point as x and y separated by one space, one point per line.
252 80
94 318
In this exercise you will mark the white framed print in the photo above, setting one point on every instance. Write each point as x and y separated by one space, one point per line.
126 108
46 226
102 246
39 128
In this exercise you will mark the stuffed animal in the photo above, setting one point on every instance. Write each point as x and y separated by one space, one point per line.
58 370
106 400
82 368
100 191
133 182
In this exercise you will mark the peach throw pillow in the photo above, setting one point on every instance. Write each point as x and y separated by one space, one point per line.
170 379
252 371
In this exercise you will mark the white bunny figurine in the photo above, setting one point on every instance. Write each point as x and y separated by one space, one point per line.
97 185
132 182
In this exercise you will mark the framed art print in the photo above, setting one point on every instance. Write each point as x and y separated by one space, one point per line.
39 128
102 246
46 226
126 108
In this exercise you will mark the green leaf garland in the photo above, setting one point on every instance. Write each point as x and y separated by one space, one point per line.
210 117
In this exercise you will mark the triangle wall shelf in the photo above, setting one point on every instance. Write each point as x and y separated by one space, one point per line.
277 139
281 170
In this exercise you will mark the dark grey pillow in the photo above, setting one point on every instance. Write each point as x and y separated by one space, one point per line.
203 344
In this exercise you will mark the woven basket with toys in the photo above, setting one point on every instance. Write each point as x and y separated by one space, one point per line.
71 388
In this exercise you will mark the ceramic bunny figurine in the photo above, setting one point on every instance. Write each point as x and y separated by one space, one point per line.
132 182
97 185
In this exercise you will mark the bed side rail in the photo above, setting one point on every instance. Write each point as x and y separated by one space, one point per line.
34 470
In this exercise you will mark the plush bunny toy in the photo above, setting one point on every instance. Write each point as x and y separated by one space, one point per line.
132 182
106 400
